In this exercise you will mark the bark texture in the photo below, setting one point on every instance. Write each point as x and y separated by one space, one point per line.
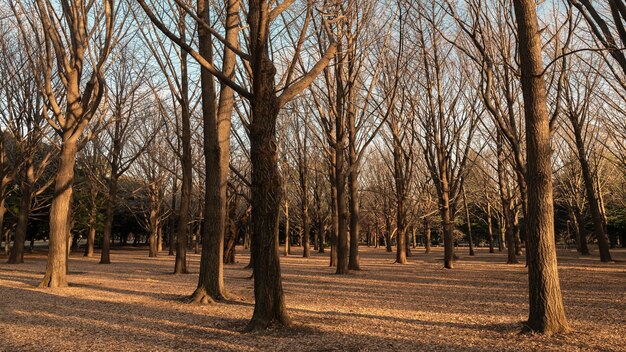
546 312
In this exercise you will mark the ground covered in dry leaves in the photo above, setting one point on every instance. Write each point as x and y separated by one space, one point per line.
136 304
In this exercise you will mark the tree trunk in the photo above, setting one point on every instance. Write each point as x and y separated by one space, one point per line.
172 217
448 235
287 248
581 237
160 238
490 228
469 223
306 228
182 235
592 200
546 312
321 234
17 251
56 268
427 235
93 223
4 233
266 187
108 218
154 222
334 234
407 241
353 188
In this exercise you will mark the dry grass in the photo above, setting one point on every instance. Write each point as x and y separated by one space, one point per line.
136 304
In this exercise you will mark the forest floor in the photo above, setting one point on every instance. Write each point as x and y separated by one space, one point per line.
136 304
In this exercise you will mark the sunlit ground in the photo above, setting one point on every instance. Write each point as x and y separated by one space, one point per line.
136 304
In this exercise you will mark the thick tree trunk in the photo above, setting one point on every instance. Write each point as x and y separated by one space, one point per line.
266 182
17 251
105 257
56 268
546 312
266 194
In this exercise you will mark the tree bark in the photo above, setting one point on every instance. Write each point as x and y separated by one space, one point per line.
469 223
105 257
266 182
592 200
353 188
56 268
581 237
93 223
172 218
490 228
17 251
182 235
427 235
546 312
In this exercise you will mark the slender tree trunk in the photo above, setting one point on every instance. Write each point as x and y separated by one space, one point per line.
407 241
287 229
581 238
469 223
17 251
448 235
334 234
517 233
160 237
306 227
182 235
154 222
105 257
490 228
388 231
546 312
321 234
353 188
592 200
427 235
172 218
93 223
56 268
400 197
4 233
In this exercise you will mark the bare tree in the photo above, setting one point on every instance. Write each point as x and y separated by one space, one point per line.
68 43
546 313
